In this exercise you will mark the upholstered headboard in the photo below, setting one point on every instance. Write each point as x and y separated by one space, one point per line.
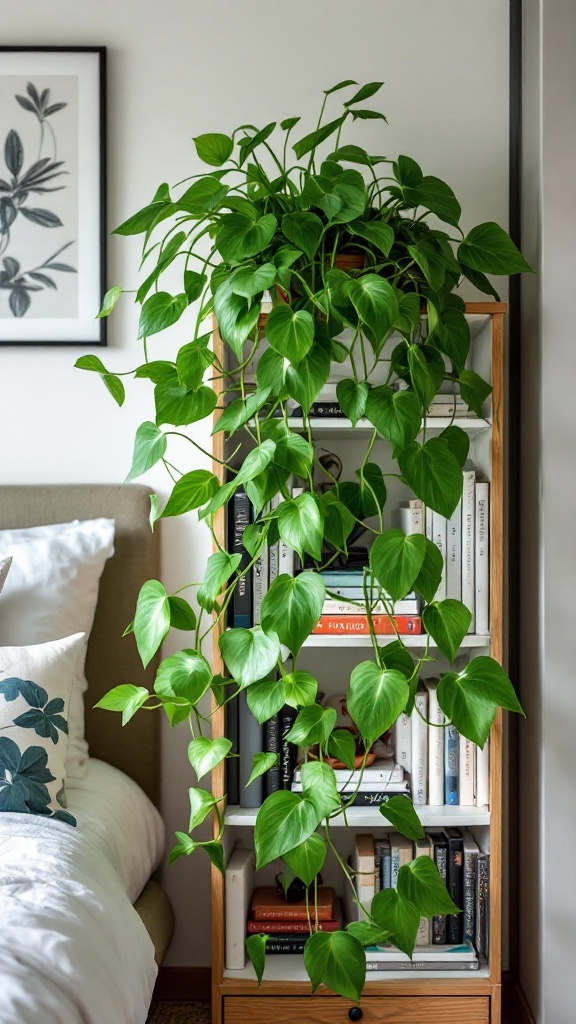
112 659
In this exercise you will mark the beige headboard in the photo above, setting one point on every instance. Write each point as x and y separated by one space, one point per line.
112 659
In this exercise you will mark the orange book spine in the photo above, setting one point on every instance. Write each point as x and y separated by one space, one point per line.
358 624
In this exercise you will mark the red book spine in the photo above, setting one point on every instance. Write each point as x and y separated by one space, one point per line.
358 624
289 927
282 915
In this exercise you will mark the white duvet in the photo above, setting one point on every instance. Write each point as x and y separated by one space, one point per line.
72 948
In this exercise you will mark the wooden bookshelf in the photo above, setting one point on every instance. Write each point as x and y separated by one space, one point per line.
469 998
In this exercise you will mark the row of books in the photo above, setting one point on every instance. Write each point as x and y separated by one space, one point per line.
444 767
462 865
344 609
250 738
450 943
464 542
369 788
327 405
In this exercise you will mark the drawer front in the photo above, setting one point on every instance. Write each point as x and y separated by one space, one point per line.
375 1010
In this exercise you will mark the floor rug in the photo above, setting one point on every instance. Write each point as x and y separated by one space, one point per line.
179 1013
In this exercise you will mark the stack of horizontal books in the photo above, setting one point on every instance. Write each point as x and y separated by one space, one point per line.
345 611
369 788
288 924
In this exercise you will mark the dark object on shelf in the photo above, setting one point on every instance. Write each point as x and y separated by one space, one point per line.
355 1013
295 892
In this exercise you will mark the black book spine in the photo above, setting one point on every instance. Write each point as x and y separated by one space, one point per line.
370 799
286 945
273 745
241 604
251 742
288 750
455 922
483 904
441 861
232 763
322 409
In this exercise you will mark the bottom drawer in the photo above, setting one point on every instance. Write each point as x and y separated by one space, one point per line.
373 1009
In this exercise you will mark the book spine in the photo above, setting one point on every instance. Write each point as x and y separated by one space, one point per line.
274 946
374 798
332 607
419 772
232 763
251 742
289 928
435 750
424 848
259 584
272 745
468 537
482 559
286 554
451 764
386 869
483 775
288 751
466 772
483 904
242 598
402 739
238 881
274 549
454 554
428 529
439 920
420 965
384 625
321 410
454 922
439 528
394 866
469 903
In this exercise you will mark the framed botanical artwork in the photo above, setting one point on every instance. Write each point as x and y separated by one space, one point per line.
52 195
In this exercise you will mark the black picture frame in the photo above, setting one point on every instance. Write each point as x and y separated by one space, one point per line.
53 140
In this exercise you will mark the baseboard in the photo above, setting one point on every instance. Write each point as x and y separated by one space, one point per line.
183 984
515 1009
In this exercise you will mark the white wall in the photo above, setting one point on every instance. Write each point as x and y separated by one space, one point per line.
548 795
179 68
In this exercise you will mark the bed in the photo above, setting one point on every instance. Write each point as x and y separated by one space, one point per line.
83 926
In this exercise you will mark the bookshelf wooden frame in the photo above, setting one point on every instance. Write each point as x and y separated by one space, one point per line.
471 999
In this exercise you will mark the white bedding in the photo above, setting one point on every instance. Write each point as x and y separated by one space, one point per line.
72 948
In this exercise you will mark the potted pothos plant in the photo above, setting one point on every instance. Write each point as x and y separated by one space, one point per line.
359 258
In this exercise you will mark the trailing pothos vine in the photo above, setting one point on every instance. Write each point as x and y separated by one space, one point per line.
273 216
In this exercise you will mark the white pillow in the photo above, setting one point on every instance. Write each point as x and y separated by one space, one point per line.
35 685
51 592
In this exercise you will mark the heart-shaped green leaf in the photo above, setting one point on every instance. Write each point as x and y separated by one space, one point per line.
149 447
421 884
214 148
307 860
283 822
160 311
434 474
249 654
352 397
313 725
256 949
458 442
300 524
396 415
398 916
490 250
428 579
205 754
396 561
341 745
261 763
290 332
319 786
374 299
474 390
219 568
375 699
304 229
447 622
250 281
301 689
295 454
239 237
190 491
182 616
471 698
266 699
337 960
126 698
201 803
400 811
292 607
184 674
152 619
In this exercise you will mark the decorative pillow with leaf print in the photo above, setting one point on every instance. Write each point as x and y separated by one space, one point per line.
35 685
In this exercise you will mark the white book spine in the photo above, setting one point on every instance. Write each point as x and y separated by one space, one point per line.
482 558
468 538
454 554
259 584
405 607
419 772
435 747
424 848
439 539
428 529
467 773
286 554
483 775
411 520
402 738
238 886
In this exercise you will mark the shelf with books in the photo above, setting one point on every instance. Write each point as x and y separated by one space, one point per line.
369 817
290 968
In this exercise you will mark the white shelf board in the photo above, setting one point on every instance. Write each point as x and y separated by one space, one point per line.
338 427
288 967
369 817
329 640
